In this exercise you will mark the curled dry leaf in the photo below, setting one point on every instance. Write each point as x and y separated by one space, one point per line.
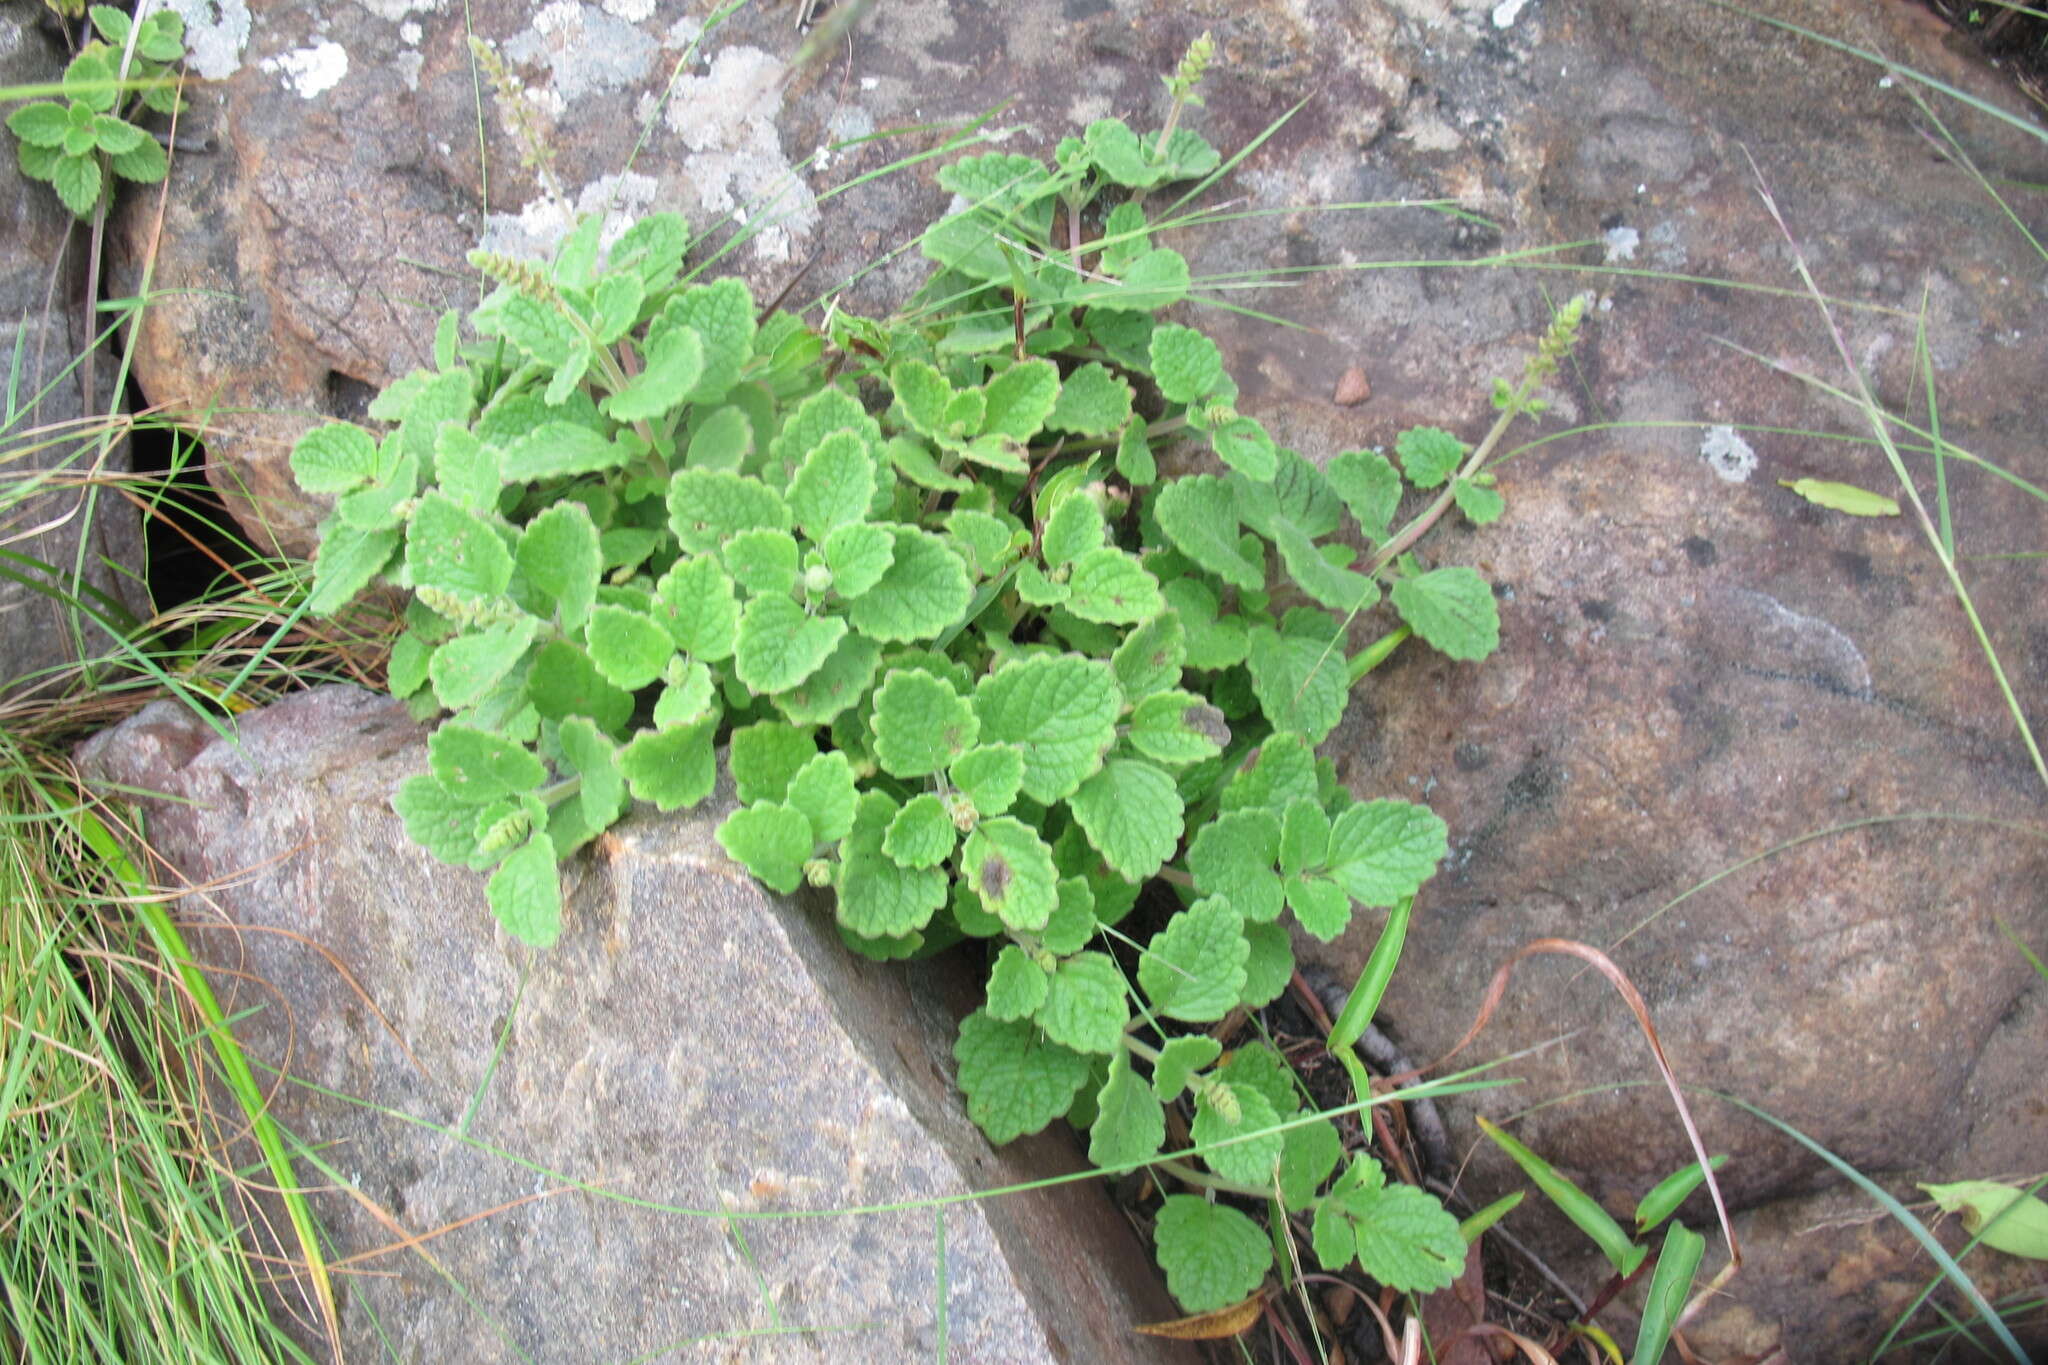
1213 1325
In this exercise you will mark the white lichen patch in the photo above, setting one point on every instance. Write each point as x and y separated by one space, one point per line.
410 33
1727 454
1621 243
585 49
726 118
632 11
310 71
1506 12
392 11
538 228
216 32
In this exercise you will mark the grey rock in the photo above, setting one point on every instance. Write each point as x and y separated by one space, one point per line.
693 1058
42 278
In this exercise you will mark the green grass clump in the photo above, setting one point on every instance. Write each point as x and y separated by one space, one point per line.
121 1237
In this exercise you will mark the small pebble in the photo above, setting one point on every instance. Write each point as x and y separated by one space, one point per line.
1353 388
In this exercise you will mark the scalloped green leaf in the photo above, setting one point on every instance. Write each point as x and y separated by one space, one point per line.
1452 609
1199 515
1194 969
1011 870
924 591
1213 1255
771 841
1131 812
1062 709
1016 1080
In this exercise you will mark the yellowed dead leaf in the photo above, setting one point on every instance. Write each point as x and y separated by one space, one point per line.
1213 1325
1842 497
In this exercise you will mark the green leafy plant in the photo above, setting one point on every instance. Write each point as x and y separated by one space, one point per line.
974 665
75 145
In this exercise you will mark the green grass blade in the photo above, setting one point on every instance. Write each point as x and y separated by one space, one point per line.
1584 1210
1677 1263
1918 1230
1365 996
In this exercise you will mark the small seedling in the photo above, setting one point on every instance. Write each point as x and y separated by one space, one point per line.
75 145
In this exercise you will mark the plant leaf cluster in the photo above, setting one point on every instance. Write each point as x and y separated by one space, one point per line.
969 661
78 144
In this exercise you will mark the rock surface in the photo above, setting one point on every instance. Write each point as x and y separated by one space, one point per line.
1697 666
694 1058
41 278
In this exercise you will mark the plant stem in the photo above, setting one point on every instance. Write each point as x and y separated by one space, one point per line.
1189 1175
1429 516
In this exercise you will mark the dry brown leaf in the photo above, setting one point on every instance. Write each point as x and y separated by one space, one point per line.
1213 1325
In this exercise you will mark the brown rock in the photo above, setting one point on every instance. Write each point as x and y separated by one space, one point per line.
1352 388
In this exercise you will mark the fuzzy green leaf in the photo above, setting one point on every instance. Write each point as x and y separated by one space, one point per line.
77 181
698 608
1134 456
1016 1081
834 486
923 394
674 365
1199 515
1016 985
1452 609
1075 528
921 724
925 590
765 758
839 682
1180 1058
1150 658
478 766
1178 728
1310 1153
1299 681
763 562
705 506
1186 364
1269 968
1247 1111
990 775
468 470
335 458
1381 851
456 551
1110 586
769 840
1370 487
42 124
436 819
554 449
467 667
1061 708
1129 1126
1482 505
1092 402
595 760
1131 812
1020 399
1195 969
1011 870
1403 1237
877 897
1086 1006
1429 455
348 559
525 893
1298 493
1336 588
1211 641
629 647
1232 856
1247 447
780 645
723 315
1155 280
824 412
1320 906
673 768
1212 1254
1073 921
823 791
858 554
1282 769
562 681
922 834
